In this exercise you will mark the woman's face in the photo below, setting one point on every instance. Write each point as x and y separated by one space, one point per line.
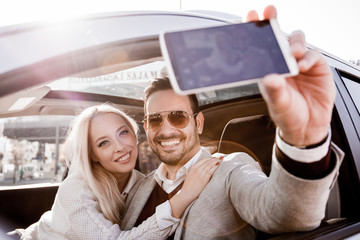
113 144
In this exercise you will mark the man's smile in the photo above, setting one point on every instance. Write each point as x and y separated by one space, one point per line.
167 143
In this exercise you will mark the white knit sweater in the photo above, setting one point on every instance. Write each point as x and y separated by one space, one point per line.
75 214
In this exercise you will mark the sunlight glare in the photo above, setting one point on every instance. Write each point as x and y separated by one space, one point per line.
20 11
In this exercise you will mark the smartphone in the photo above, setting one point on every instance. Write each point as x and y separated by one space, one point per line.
225 56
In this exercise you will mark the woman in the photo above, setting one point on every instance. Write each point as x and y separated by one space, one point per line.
102 147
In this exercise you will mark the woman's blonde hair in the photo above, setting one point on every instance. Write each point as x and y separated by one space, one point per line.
78 151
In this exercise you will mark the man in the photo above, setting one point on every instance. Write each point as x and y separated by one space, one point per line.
240 197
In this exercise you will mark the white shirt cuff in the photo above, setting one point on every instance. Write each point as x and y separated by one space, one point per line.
301 154
164 217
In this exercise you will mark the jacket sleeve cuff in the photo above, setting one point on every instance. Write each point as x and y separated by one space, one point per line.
304 155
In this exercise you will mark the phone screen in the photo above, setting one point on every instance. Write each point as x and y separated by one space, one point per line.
224 54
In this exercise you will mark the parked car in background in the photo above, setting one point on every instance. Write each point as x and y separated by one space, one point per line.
50 72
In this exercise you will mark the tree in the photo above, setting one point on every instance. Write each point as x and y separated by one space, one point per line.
17 152
1 158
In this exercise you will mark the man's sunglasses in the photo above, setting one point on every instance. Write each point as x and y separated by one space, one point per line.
178 119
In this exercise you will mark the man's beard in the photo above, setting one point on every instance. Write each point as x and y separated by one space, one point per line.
176 157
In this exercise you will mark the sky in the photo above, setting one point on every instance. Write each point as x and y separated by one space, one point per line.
331 25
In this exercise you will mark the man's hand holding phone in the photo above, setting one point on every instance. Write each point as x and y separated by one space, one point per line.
296 83
301 105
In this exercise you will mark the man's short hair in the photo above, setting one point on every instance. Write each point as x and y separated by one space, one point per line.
163 83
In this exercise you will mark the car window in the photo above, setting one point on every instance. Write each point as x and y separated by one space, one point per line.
31 149
354 89
227 94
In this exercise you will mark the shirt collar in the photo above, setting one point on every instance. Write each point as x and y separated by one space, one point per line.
160 173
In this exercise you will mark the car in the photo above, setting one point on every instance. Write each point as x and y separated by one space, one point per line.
49 72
